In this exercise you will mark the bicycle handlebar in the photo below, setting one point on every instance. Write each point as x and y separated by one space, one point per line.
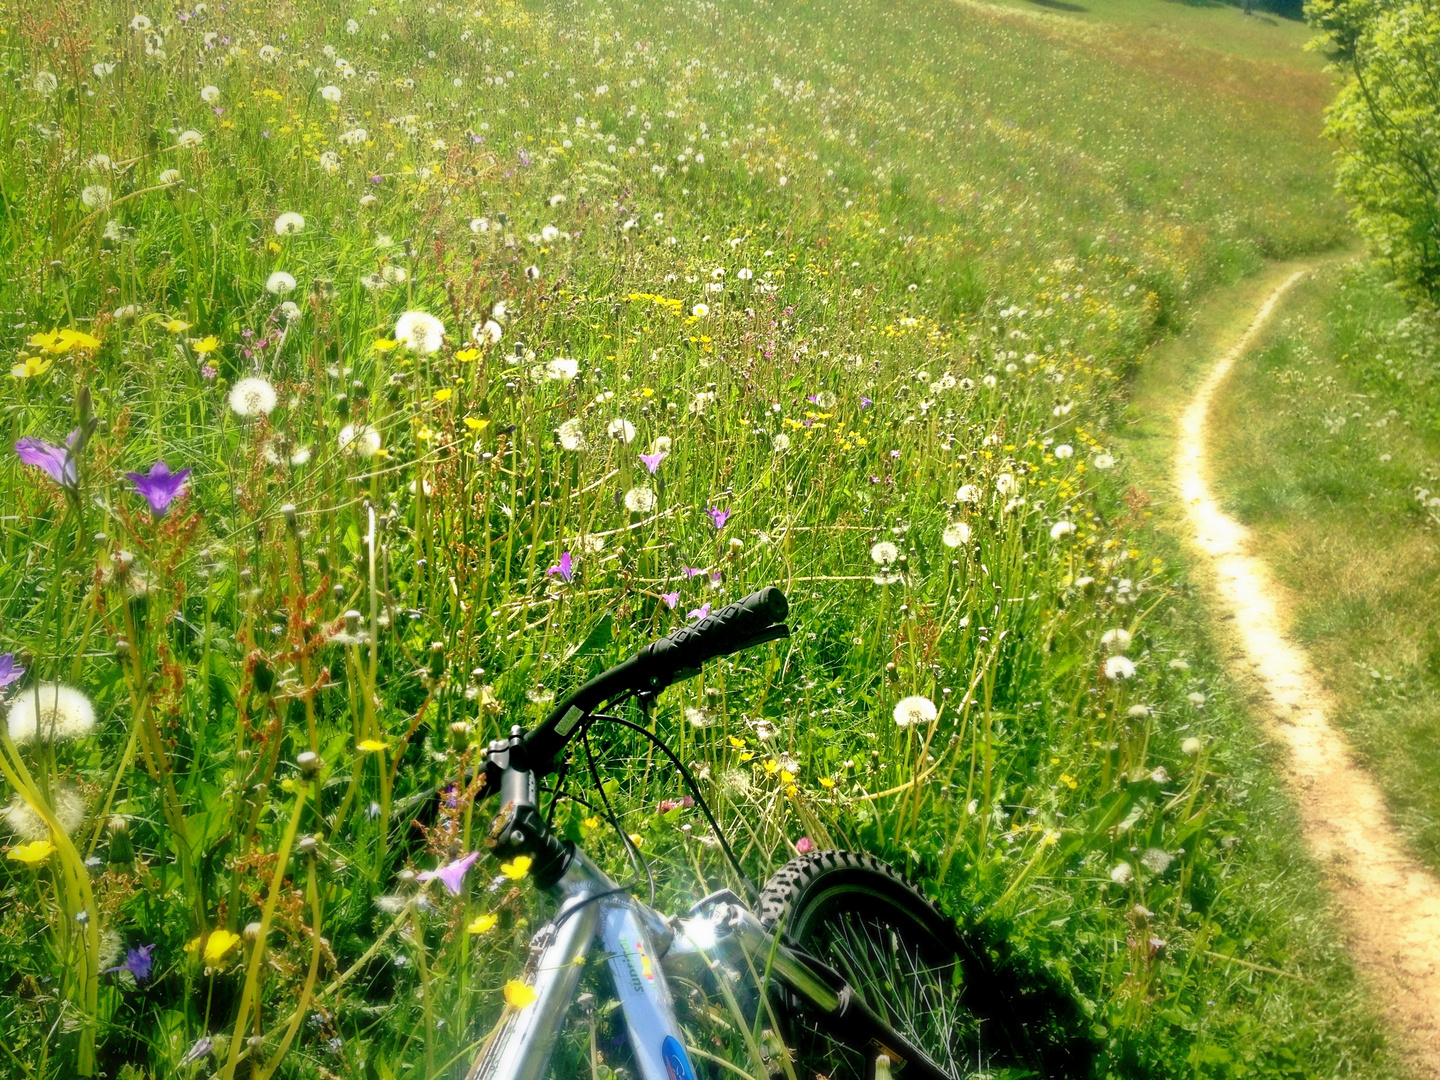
756 619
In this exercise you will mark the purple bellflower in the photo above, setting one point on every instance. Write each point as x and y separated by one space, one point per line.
160 488
719 517
700 613
138 962
691 571
201 1049
565 568
57 461
451 875
11 671
671 599
652 461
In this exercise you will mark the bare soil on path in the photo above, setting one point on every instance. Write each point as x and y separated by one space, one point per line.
1390 904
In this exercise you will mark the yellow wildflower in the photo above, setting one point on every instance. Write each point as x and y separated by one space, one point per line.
476 425
518 995
205 345
33 852
483 924
371 746
384 345
31 366
76 339
444 395
466 355
518 868
175 326
220 943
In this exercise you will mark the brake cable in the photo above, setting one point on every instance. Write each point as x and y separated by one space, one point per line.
694 787
637 860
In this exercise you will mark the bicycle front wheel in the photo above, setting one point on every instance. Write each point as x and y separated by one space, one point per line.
959 1001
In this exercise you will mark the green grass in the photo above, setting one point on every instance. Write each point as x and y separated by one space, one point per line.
1328 437
930 242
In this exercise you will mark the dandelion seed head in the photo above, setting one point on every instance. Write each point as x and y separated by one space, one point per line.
252 397
916 709
956 534
640 500
359 440
50 711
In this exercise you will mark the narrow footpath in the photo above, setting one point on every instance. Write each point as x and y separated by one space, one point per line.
1390 903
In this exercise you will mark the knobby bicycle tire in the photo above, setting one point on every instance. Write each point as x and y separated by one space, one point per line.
959 994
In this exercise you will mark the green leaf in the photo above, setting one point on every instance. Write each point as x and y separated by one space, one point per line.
600 635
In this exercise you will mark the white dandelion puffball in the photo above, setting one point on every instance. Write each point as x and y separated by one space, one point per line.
289 223
1179 665
331 94
140 24
562 369
394 275
916 709
330 162
1196 698
956 534
968 493
359 440
571 435
780 443
884 553
1061 529
354 137
66 804
188 140
549 234
640 500
96 196
1122 874
700 310
1064 451
252 396
479 225
268 53
1005 483
1117 640
1191 747
291 310
621 429
50 711
169 177
1103 461
1156 860
210 94
1119 668
45 83
279 283
487 333
420 332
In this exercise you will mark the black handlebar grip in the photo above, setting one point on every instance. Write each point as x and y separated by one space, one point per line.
719 633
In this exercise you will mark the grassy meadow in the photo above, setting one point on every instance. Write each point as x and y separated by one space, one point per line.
498 339
1329 452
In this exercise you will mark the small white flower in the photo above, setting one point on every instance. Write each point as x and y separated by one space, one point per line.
916 709
1064 450
956 534
252 397
210 94
288 224
700 310
884 553
1122 874
359 440
562 369
96 196
1116 640
1156 860
1119 668
331 94
52 712
279 283
1196 698
572 435
188 140
420 332
291 310
1061 529
640 500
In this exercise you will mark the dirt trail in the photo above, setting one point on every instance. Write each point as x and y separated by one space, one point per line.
1391 904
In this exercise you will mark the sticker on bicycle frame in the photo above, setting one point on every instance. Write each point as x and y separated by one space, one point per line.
676 1063
568 721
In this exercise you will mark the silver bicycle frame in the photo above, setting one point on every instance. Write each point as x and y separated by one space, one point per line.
633 937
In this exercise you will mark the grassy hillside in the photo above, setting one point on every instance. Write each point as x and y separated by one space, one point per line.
861 286
1330 454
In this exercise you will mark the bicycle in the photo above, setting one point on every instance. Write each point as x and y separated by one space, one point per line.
864 973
